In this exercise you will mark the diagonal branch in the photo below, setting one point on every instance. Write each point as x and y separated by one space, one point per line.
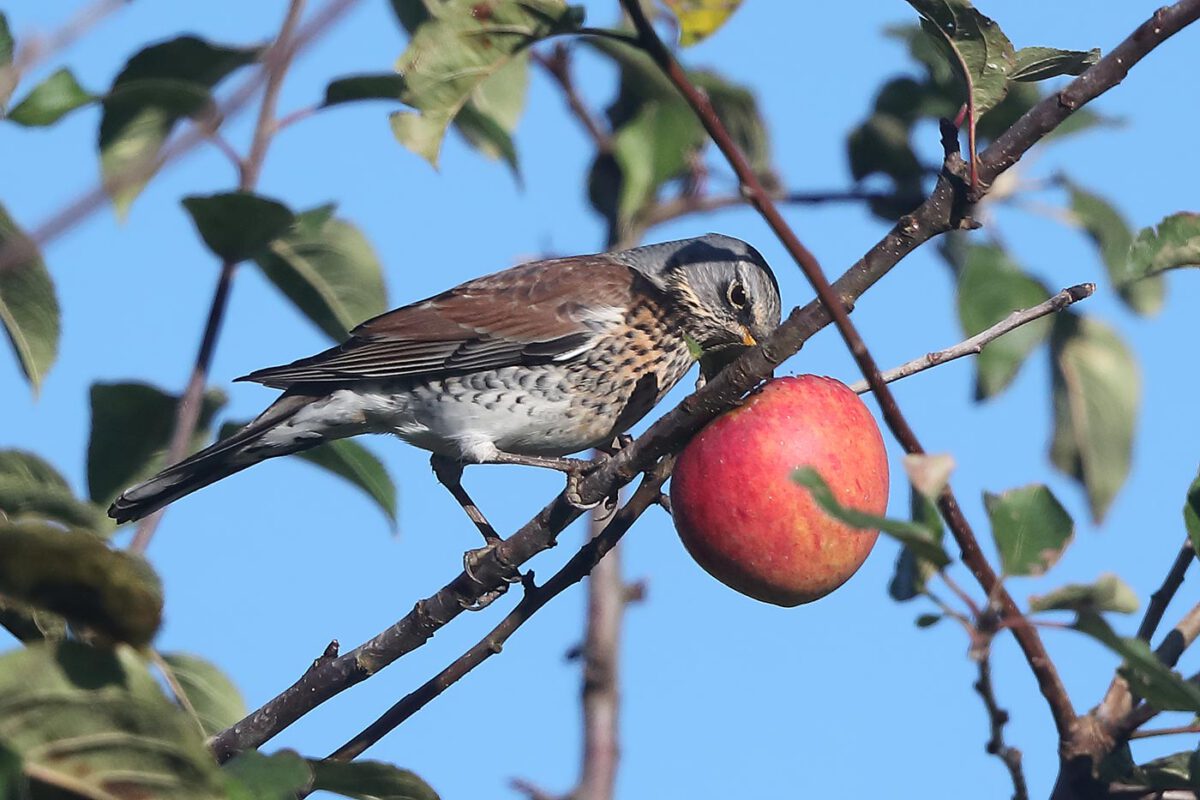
975 344
997 719
1027 636
942 211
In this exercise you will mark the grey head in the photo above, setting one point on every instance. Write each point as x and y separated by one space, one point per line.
726 287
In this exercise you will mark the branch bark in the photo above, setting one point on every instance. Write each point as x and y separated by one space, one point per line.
942 211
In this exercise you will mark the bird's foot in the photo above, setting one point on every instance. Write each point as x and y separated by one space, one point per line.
473 561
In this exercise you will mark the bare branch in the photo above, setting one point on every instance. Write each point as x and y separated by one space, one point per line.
276 61
997 719
1165 731
683 205
976 343
558 67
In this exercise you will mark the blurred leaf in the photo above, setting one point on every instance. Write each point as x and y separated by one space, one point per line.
1031 528
928 620
1096 390
490 117
132 425
1106 227
929 473
157 87
214 698
327 268
651 149
238 225
1148 677
30 624
990 287
1040 63
912 571
348 460
923 540
455 47
737 108
881 145
375 86
77 575
1173 243
1191 514
1108 593
1176 771
909 100
28 305
95 723
372 780
51 100
6 42
980 53
32 489
279 776
699 19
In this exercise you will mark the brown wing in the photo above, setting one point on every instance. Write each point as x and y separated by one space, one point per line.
529 314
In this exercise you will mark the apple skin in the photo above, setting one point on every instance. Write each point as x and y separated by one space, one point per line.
748 524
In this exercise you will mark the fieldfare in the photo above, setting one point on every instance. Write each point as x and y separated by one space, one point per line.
520 367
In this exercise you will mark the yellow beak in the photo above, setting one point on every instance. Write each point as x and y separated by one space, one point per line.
747 338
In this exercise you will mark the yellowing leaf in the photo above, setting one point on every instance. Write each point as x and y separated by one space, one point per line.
699 19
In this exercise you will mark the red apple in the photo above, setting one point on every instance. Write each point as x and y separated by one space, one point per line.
747 523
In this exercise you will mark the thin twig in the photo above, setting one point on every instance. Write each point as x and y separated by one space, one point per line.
276 61
571 573
1027 637
997 719
942 211
18 249
975 344
683 205
1162 598
1165 731
558 67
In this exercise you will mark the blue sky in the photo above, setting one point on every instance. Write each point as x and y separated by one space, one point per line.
723 696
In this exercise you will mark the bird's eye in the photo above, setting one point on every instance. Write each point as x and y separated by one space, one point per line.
737 295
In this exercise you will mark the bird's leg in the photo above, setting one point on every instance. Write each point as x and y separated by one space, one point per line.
575 469
449 474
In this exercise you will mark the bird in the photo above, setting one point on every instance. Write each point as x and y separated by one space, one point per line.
522 366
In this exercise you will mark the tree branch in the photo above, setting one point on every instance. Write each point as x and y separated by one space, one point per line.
977 342
667 210
997 719
942 211
558 67
535 597
275 61
1027 636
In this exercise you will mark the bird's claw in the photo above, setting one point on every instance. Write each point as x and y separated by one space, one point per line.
472 559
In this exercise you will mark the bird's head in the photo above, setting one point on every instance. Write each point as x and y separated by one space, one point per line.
727 291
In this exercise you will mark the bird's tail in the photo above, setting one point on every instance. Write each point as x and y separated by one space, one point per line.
245 448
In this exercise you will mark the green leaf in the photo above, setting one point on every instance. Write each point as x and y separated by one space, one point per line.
1148 677
1096 389
157 87
650 149
912 571
1191 514
454 48
929 472
279 776
51 100
327 268
980 53
1040 63
699 19
1108 593
990 287
238 225
1176 771
6 42
348 460
374 86
1173 243
371 780
28 304
737 108
215 701
1031 528
919 537
95 723
1106 227
928 620
32 489
75 574
489 118
132 425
